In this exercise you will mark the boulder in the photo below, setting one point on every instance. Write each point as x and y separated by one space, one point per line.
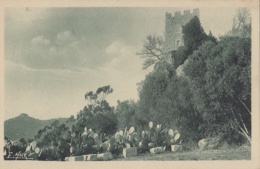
176 148
157 150
74 158
90 157
209 143
130 152
213 142
202 143
104 156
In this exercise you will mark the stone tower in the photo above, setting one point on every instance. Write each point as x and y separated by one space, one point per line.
173 28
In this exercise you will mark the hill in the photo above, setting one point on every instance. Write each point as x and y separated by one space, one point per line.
24 126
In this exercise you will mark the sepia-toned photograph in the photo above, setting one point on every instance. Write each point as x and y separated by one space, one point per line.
120 83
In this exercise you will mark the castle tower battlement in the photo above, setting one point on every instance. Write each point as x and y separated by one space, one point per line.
173 28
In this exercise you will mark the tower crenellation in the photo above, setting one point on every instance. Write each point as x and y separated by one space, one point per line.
177 14
186 12
173 28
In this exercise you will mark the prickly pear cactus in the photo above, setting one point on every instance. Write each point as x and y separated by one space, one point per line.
157 137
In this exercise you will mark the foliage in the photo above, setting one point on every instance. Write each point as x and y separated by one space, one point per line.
125 113
213 98
177 102
103 123
155 136
222 84
153 87
167 100
97 115
152 50
193 35
97 99
180 56
211 37
242 23
98 110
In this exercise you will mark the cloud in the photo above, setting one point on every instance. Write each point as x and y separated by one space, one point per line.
18 68
115 48
40 40
42 86
123 71
63 51
82 49
65 37
123 57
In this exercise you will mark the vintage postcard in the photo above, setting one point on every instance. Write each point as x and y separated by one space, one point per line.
156 84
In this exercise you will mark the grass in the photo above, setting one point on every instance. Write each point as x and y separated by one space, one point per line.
223 154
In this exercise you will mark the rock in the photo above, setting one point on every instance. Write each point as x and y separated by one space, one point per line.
176 148
157 150
90 157
74 158
213 142
130 152
209 143
104 156
202 144
179 70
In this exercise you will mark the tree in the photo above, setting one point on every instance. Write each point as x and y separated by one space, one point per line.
55 123
177 108
211 37
104 123
98 98
242 22
193 35
98 114
180 56
152 50
167 99
220 78
125 113
152 88
213 99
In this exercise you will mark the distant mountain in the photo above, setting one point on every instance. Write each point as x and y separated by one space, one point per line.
24 126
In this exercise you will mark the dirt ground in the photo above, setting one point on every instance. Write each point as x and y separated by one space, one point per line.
224 154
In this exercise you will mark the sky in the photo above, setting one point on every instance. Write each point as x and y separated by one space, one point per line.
53 56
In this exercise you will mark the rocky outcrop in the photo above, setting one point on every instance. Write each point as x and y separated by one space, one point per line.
209 143
179 70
